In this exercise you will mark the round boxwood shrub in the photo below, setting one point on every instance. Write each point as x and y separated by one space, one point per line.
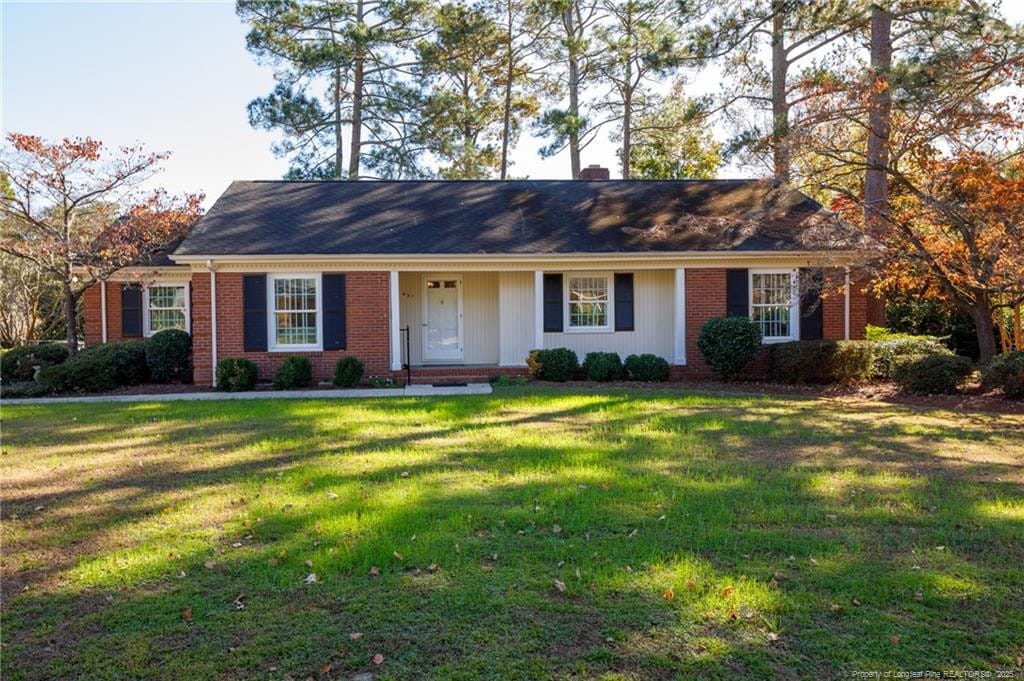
18 364
603 366
167 354
646 367
348 372
932 374
236 375
891 350
294 372
820 361
1005 371
728 344
553 364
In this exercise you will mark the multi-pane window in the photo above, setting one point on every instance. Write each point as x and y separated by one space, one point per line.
295 313
771 303
588 302
168 307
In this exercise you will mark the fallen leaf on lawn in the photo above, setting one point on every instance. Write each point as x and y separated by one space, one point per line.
186 614
311 578
487 568
746 612
661 518
405 474
633 533
837 609
309 563
668 594
779 576
894 639
940 548
1020 660
855 601
918 595
772 636
378 659
628 568
746 556
772 584
578 573
356 635
332 495
397 555
236 545
209 565
791 559
831 516
239 605
432 568
374 571
691 585
181 575
326 669
728 591
560 586
813 562
481 533
556 529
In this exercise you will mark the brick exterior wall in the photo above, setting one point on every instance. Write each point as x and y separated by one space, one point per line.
705 299
92 310
367 299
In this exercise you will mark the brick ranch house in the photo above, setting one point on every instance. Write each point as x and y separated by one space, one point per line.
461 279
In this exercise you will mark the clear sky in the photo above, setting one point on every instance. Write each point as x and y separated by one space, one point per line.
175 76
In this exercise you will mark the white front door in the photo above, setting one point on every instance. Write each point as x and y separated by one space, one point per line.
442 319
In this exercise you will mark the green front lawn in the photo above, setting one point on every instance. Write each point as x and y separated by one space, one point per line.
522 535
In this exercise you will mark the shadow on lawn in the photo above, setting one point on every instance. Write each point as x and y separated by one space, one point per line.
632 516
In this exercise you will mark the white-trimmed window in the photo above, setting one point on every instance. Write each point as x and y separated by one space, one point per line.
588 302
167 307
773 304
294 319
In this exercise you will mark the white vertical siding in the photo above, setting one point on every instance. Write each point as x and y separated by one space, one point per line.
516 323
653 294
410 309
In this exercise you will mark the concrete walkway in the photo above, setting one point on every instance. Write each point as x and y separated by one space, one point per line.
331 393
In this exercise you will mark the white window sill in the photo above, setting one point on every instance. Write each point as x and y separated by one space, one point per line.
774 340
295 348
587 329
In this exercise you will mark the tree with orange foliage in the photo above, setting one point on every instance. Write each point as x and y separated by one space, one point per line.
922 148
80 214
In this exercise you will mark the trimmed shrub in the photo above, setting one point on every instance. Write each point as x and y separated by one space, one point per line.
127 357
728 344
553 364
348 372
502 381
820 361
646 367
85 372
167 354
236 375
892 348
932 374
17 364
603 366
1005 371
294 372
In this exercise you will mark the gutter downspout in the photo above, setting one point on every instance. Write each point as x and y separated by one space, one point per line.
213 324
103 309
846 307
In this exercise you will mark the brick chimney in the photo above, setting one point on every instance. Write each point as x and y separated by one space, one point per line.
594 172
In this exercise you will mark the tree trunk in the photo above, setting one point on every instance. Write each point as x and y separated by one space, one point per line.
574 95
876 180
355 147
780 105
981 314
506 114
338 151
627 123
71 316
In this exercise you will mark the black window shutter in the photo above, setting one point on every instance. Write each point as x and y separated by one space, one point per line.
737 293
131 310
811 314
553 303
624 301
254 312
334 311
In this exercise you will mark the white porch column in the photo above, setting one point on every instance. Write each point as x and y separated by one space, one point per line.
846 306
396 331
538 310
679 318
103 309
213 325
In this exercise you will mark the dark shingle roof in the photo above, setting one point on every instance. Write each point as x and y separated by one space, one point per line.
517 217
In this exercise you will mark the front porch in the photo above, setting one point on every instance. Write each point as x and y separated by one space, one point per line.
471 325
